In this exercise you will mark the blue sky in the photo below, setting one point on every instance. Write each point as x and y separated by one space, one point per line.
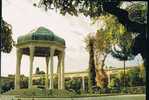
24 17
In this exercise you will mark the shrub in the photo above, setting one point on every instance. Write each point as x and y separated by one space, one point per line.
41 92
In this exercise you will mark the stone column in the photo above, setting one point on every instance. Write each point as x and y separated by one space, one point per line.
32 49
83 83
52 50
18 63
47 73
62 71
59 70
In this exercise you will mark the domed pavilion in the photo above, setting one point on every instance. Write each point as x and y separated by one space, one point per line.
41 42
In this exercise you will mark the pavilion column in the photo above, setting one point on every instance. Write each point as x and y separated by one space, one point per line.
47 73
18 63
59 70
62 70
32 49
52 51
83 83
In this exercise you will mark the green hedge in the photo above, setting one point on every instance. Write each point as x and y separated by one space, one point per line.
40 92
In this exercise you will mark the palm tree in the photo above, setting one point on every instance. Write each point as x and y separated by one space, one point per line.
90 41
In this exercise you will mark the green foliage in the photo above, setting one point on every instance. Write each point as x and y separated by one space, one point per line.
138 12
142 73
104 40
134 78
123 50
114 83
7 85
110 34
136 90
124 79
33 92
92 8
73 85
6 37
24 83
90 41
38 71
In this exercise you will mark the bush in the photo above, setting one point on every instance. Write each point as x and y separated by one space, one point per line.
136 90
41 92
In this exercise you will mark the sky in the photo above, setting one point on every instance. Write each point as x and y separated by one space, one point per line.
24 17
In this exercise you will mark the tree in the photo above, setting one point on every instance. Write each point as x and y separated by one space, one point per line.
138 13
38 71
6 37
90 42
105 39
6 40
102 49
123 50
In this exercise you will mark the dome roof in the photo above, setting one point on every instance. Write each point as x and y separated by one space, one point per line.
40 33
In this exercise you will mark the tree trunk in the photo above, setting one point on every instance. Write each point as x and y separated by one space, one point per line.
101 76
124 75
92 73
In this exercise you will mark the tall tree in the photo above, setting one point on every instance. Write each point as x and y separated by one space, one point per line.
90 42
122 50
102 49
105 39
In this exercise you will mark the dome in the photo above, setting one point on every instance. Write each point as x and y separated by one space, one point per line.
40 33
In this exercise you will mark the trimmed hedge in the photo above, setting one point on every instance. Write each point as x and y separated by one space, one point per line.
33 92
